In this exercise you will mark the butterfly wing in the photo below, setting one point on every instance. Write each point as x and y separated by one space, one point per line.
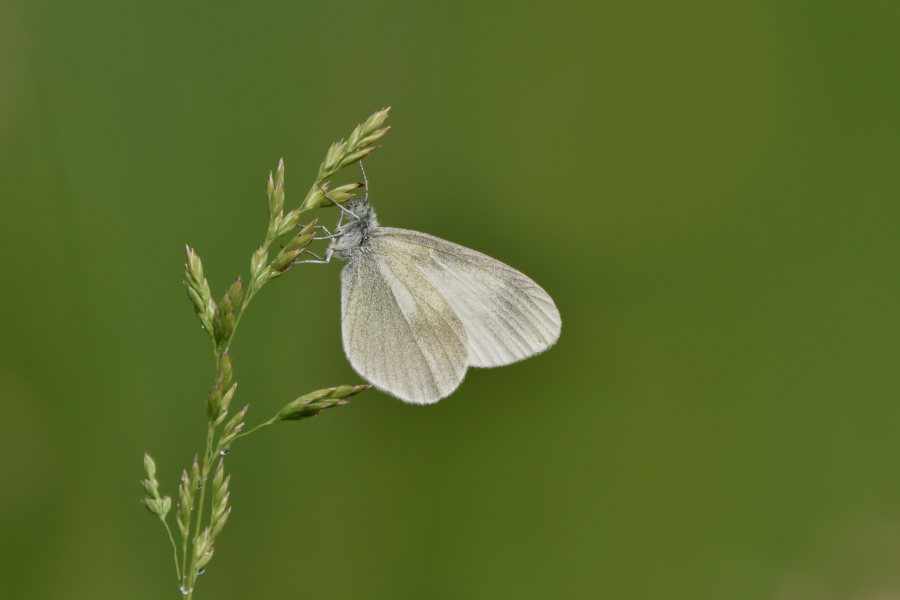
507 316
399 332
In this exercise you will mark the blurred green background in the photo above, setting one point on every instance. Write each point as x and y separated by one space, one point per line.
709 191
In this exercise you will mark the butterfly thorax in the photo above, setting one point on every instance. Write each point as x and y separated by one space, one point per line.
354 236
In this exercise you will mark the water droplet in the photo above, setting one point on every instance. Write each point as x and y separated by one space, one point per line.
185 590
224 452
200 485
201 571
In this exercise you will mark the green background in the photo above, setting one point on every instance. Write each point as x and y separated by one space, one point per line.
708 190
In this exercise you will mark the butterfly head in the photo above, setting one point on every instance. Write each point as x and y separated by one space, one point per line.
365 214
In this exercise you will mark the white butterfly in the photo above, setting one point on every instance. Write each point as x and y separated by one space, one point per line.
417 311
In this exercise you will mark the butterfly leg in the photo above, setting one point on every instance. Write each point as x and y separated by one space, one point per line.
329 236
319 260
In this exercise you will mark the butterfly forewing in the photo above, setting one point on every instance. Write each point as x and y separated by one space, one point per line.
399 332
507 316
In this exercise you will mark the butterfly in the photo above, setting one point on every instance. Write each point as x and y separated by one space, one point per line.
418 311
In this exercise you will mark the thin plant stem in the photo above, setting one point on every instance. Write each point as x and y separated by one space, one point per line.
204 473
184 549
250 293
174 549
260 426
219 351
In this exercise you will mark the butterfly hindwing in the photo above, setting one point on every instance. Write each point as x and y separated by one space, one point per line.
507 316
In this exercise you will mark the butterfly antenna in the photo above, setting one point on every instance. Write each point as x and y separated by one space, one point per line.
333 201
366 182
